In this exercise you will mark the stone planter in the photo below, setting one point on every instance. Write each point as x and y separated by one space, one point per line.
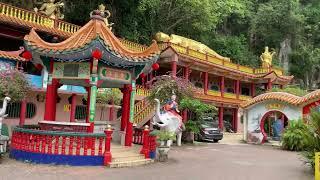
163 153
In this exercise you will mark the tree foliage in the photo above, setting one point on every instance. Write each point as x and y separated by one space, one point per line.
13 84
294 138
238 29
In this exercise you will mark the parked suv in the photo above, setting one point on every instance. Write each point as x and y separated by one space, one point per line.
209 130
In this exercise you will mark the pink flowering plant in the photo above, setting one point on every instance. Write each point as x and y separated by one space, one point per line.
14 84
165 86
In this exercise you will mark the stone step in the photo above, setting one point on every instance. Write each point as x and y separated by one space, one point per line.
130 163
128 158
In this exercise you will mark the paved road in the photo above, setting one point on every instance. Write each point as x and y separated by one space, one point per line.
213 161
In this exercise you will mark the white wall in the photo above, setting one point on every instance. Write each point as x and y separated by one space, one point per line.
253 116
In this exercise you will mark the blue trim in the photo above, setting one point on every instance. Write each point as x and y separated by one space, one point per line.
56 159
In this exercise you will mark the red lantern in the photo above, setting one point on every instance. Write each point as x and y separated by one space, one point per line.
97 54
39 67
27 55
155 66
142 75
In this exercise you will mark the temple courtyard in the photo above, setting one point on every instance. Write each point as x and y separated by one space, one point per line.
221 161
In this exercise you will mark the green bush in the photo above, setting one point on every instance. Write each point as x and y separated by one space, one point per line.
291 90
312 138
193 126
294 138
164 135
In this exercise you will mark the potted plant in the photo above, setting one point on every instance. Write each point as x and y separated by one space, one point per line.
165 138
192 128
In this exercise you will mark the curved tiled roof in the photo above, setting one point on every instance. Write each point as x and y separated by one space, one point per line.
93 30
13 55
284 97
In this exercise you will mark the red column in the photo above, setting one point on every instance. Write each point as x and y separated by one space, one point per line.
222 86
73 108
235 119
253 90
125 106
145 147
51 100
186 73
129 125
174 61
205 82
221 117
107 153
237 88
269 86
23 110
88 104
281 86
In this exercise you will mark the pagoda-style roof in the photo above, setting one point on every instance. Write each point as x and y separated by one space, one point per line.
12 55
94 35
284 97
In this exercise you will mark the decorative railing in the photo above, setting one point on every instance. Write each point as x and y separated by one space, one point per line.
214 93
244 98
138 136
230 95
143 109
36 18
29 142
141 91
133 46
205 57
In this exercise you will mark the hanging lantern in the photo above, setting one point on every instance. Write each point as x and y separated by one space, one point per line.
142 75
39 67
97 54
27 55
155 66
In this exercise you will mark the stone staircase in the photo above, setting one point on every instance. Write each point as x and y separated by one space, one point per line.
127 156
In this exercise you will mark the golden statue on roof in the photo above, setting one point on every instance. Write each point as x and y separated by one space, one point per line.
104 13
266 57
51 9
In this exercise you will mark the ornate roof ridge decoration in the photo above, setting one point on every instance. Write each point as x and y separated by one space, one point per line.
13 55
93 30
284 97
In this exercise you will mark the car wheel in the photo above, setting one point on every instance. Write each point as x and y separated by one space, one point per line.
215 140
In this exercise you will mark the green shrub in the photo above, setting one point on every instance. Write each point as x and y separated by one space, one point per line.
291 90
294 138
312 138
193 126
164 135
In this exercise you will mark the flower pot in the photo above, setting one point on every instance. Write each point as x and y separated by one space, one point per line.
163 153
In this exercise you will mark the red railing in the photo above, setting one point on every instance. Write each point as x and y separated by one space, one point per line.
62 143
138 136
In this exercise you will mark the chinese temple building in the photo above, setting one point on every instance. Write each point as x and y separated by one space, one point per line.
66 64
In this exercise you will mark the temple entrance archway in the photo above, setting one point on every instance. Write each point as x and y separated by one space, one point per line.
268 122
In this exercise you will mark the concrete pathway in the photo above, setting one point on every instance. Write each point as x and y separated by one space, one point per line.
212 161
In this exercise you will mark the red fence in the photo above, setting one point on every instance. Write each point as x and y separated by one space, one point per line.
32 140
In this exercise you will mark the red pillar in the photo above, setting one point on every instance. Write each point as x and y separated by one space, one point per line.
222 86
235 120
107 152
237 88
253 90
186 73
73 108
221 117
174 65
51 100
129 125
23 110
205 82
269 85
125 106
